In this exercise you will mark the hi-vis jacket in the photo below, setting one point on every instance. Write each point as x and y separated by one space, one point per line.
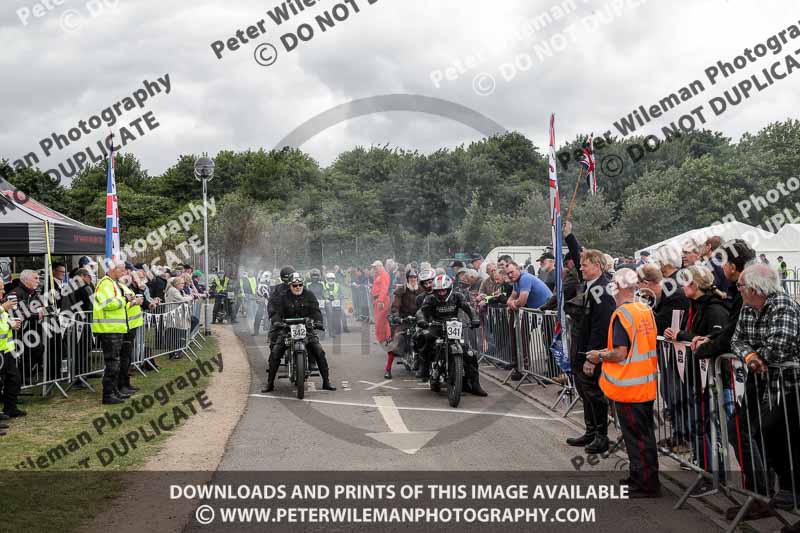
634 379
109 309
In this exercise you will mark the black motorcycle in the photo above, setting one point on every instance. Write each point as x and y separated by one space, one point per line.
448 361
408 325
295 335
223 305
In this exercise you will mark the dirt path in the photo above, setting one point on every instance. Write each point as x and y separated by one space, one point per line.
196 449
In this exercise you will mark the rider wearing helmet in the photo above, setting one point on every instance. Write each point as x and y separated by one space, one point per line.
444 304
315 283
297 302
426 284
275 294
332 292
404 304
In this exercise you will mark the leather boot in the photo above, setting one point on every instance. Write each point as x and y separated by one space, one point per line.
273 371
600 443
326 382
477 390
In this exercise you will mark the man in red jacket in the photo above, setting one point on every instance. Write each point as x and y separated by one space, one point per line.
380 302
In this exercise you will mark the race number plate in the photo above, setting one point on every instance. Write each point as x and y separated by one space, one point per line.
321 304
336 304
231 295
454 329
298 331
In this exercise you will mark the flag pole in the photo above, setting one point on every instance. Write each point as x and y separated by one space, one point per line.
574 195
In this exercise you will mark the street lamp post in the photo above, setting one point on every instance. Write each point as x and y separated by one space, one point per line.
204 172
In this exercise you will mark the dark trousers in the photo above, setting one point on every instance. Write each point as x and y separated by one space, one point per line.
637 425
315 354
261 312
125 354
595 404
111 343
10 381
772 431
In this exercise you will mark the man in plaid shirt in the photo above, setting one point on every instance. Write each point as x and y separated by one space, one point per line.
767 338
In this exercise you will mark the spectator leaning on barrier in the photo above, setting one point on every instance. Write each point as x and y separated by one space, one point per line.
708 313
737 256
766 337
529 291
31 311
590 332
110 324
10 380
629 378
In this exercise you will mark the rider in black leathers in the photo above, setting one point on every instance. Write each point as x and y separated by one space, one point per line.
441 306
297 304
420 339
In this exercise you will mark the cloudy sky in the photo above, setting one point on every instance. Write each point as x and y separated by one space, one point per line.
76 59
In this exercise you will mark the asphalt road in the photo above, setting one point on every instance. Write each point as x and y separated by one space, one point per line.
372 425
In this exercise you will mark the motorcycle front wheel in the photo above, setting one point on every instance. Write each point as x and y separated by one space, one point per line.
455 380
300 374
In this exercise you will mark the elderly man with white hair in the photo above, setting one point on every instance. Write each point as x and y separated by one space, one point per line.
629 377
767 338
110 324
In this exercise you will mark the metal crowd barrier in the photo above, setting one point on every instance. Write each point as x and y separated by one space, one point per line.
792 288
760 435
521 342
60 350
734 430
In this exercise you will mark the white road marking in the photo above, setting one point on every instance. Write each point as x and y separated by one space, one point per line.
424 409
382 384
399 436
391 414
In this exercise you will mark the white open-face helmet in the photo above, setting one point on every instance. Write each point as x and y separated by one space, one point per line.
442 286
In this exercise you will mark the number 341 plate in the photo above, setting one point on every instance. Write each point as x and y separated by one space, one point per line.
454 329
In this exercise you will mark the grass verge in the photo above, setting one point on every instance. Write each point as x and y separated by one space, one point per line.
58 492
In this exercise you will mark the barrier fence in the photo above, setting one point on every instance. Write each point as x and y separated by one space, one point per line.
59 351
738 432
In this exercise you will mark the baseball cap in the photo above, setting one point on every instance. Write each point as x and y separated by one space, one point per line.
546 255
377 264
475 257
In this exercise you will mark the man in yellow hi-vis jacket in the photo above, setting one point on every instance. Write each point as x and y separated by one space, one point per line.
110 324
629 377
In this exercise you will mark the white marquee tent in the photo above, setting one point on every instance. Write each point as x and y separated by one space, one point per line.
786 243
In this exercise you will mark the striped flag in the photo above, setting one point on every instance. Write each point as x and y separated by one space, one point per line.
587 162
112 211
559 353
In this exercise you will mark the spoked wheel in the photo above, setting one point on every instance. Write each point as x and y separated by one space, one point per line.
300 374
455 380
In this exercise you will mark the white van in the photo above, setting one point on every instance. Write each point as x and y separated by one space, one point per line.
520 254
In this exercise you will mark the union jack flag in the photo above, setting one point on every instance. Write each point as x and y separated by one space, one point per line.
112 210
587 162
